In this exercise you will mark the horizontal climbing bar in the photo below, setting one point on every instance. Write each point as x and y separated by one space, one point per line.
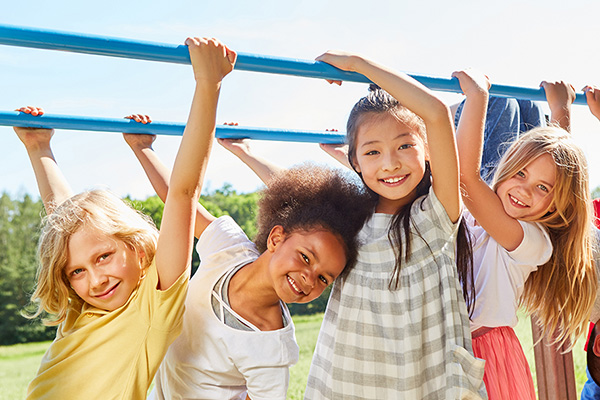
153 51
14 118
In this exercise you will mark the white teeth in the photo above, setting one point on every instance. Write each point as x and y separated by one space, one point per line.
291 281
393 180
518 201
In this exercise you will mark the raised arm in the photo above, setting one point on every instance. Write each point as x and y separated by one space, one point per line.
436 115
158 174
51 182
559 95
263 168
211 61
479 198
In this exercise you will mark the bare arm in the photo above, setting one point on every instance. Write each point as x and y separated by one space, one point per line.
263 168
479 198
211 61
436 115
159 175
560 95
52 184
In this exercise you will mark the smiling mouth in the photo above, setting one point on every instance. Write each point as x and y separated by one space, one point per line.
295 288
394 180
108 293
517 201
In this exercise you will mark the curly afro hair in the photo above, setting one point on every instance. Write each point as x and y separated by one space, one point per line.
309 197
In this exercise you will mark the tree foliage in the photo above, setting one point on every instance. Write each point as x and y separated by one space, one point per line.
19 233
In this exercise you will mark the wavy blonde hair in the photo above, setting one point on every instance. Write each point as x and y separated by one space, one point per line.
96 209
561 292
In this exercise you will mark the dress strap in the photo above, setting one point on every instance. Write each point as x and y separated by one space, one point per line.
224 306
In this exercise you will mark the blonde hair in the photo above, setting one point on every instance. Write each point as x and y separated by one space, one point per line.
561 292
96 209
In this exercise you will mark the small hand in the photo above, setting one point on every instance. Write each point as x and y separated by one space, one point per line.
143 118
339 59
239 147
559 94
139 140
337 151
33 137
211 59
592 94
472 81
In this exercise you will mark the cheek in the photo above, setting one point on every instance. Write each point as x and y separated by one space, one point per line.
79 287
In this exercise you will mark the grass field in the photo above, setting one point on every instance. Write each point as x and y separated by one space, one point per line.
19 363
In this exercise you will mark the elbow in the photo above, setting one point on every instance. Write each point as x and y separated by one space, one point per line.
439 114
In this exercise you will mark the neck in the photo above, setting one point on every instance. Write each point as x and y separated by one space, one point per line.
252 296
389 206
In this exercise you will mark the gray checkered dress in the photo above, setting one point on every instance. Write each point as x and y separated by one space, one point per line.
409 343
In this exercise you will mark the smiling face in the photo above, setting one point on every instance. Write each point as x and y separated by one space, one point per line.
102 270
304 263
391 159
528 194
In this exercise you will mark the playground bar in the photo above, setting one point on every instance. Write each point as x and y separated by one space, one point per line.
152 51
14 118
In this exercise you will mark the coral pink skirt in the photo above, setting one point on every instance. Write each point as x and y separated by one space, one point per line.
507 374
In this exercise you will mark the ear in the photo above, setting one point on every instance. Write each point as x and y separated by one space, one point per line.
596 347
141 255
276 236
354 165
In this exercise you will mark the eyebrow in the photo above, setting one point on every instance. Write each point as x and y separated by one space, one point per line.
377 140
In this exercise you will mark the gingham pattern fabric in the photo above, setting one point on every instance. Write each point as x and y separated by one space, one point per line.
410 343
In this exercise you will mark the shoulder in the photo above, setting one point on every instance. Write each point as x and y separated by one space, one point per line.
221 234
536 246
428 209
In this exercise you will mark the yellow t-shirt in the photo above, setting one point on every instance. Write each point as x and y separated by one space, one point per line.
100 354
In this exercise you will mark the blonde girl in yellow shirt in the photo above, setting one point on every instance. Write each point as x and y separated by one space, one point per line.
113 284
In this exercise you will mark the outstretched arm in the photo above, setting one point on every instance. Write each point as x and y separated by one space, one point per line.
52 184
211 61
436 115
479 198
559 95
263 168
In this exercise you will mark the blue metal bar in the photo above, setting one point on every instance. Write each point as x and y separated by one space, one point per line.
14 118
152 51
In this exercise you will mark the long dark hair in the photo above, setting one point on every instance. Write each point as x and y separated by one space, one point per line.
379 103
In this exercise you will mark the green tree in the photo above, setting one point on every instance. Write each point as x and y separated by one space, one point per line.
19 233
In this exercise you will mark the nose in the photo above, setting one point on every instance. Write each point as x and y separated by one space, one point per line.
390 162
97 278
526 191
309 277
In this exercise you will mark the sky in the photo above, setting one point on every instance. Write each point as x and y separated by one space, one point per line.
516 43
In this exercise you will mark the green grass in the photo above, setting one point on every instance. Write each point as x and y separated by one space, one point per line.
19 363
